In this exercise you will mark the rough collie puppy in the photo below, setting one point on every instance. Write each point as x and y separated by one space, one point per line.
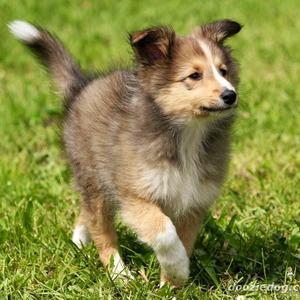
151 142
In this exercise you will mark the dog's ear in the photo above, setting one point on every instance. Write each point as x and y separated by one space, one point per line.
220 30
152 45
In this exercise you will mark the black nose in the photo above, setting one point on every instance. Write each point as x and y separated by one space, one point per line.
228 96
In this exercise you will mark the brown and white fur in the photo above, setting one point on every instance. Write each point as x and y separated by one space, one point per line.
151 142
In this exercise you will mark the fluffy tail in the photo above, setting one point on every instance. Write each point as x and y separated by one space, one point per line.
51 53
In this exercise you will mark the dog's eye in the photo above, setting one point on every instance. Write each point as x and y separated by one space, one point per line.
196 76
223 72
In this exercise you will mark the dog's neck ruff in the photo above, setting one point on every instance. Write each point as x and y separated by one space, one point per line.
182 187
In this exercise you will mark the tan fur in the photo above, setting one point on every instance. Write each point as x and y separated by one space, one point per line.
99 219
145 218
187 229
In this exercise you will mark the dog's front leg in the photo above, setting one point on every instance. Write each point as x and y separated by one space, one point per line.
157 230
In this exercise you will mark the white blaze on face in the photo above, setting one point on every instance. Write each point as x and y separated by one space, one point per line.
225 84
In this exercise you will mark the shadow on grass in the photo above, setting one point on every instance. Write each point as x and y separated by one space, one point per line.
245 255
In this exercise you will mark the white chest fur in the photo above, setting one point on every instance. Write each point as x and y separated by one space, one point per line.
182 188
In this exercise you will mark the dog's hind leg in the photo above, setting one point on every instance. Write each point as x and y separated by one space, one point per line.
81 235
96 221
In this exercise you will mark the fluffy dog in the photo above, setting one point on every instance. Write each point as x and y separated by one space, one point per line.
151 142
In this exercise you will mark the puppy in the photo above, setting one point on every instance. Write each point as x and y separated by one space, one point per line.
151 142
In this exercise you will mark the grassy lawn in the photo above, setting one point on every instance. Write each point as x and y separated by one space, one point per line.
252 233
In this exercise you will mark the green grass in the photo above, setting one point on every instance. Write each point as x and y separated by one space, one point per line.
251 235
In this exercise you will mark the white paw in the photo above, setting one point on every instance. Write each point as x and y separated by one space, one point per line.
175 263
172 255
81 236
119 270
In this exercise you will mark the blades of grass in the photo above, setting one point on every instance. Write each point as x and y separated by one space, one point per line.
263 263
209 268
28 216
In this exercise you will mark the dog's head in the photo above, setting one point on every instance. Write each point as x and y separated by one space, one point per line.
189 77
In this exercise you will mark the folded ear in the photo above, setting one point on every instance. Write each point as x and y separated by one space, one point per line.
220 30
152 45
